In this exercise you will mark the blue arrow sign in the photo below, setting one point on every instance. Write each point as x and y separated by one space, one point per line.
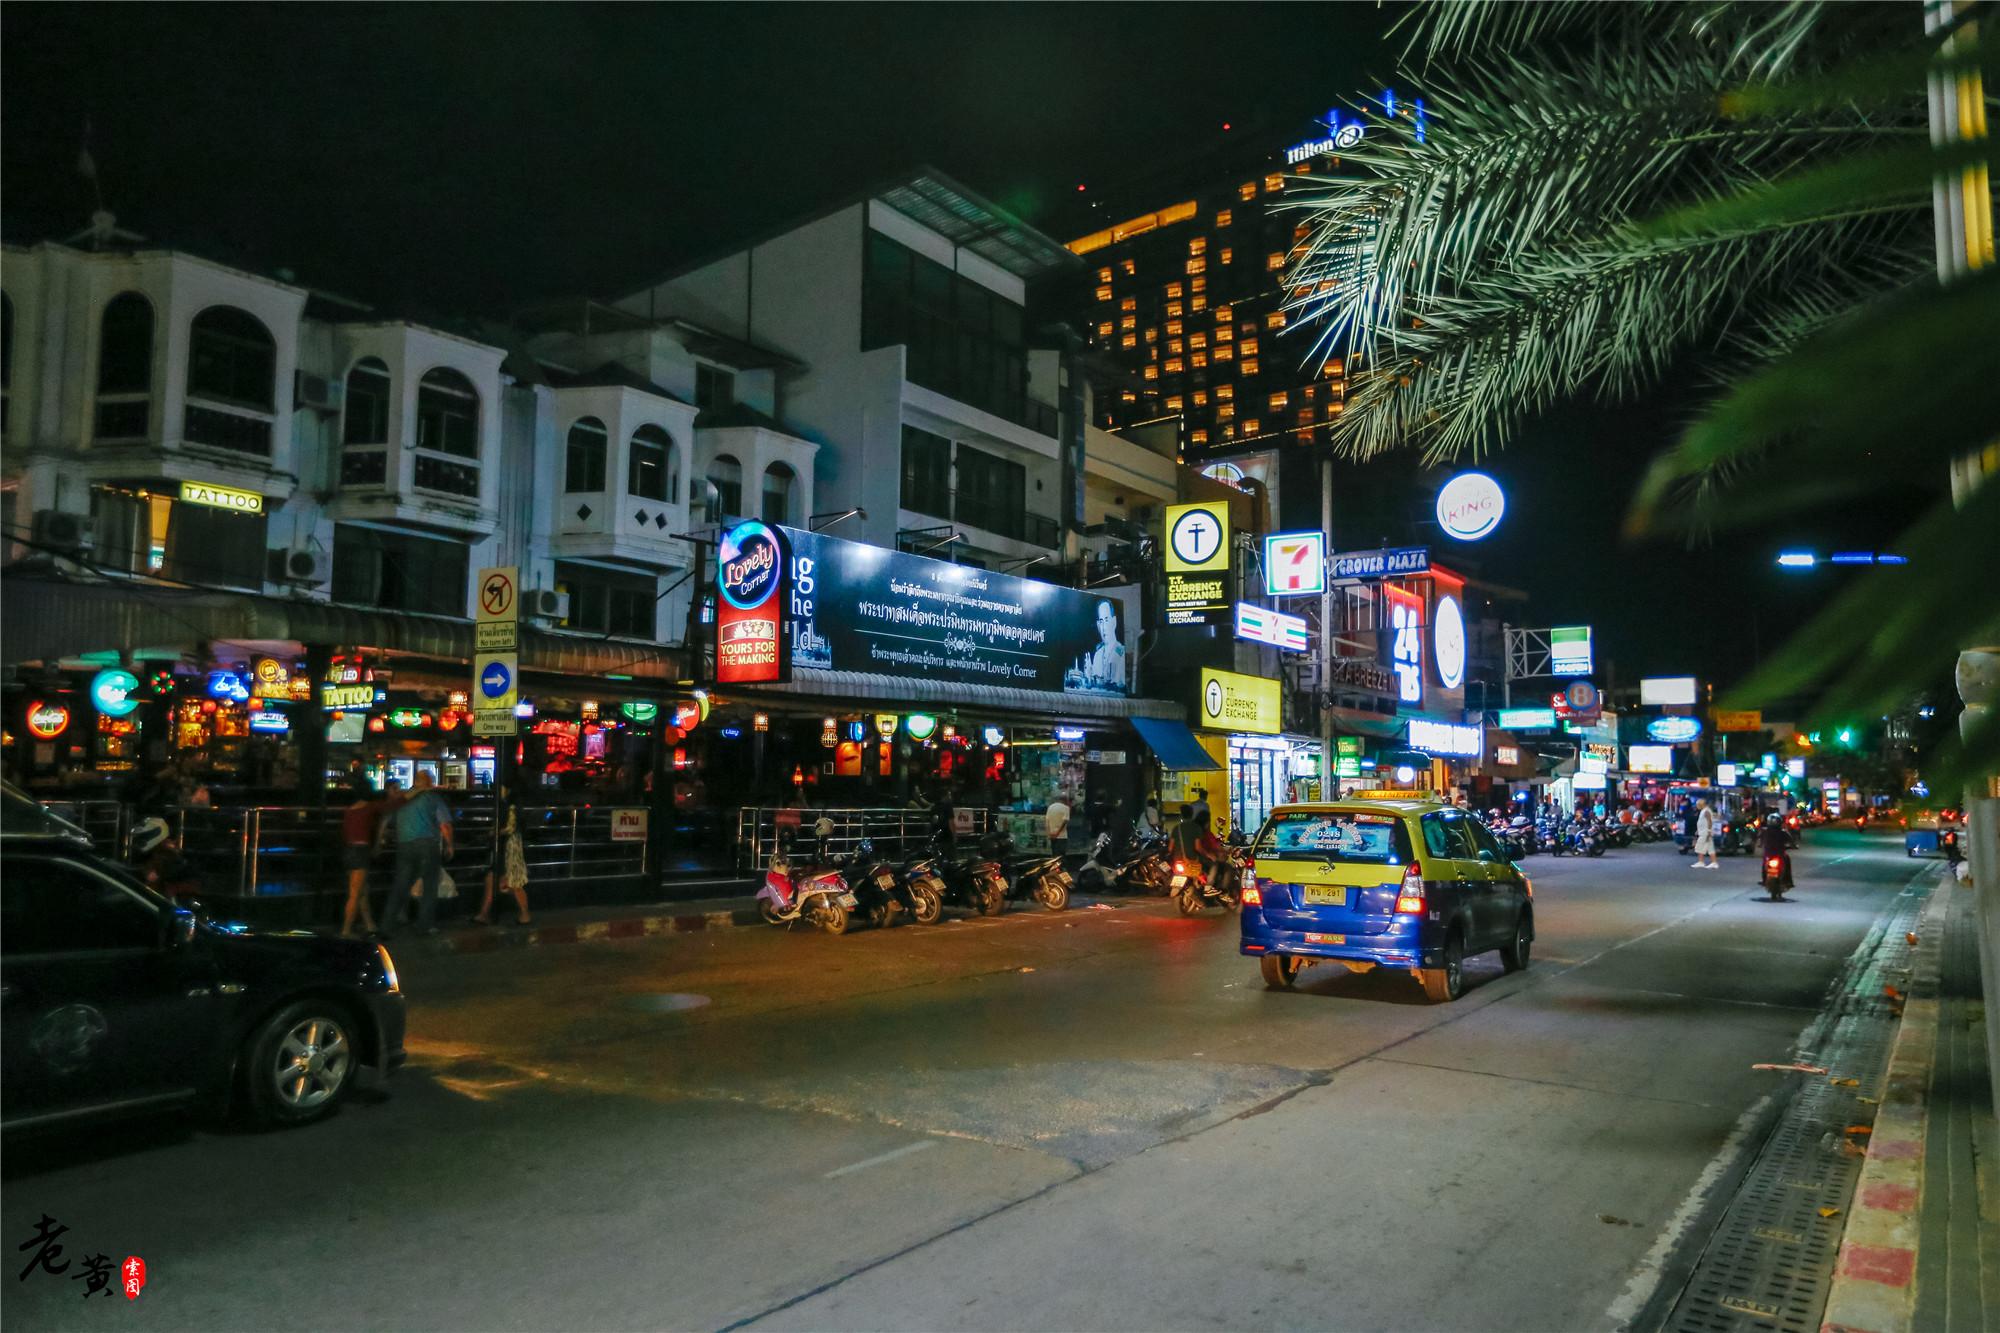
496 680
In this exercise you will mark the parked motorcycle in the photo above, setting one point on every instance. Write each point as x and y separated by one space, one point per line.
923 887
975 880
1041 878
805 891
1139 865
877 887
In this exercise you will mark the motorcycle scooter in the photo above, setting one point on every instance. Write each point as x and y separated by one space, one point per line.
814 894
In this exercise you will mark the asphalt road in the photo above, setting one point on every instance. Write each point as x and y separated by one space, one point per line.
1098 1119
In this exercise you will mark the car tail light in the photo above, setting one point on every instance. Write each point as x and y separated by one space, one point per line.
1250 867
1410 899
1252 896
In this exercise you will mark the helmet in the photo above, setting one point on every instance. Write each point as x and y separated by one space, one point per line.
149 834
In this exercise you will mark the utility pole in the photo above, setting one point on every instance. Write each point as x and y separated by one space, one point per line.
1326 760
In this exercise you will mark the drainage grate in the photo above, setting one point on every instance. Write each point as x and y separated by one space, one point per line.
1770 1261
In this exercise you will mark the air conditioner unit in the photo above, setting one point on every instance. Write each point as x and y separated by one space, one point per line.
544 604
64 533
316 391
301 567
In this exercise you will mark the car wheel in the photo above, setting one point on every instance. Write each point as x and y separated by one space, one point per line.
1514 955
1280 970
301 1062
1444 984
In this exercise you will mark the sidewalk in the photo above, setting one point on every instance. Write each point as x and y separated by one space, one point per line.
1921 1249
583 925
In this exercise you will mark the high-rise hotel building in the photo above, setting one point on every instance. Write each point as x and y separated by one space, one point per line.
1184 302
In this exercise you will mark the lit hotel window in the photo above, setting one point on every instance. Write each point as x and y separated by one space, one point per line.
1152 372
1305 416
1278 400
1128 323
1275 320
1200 360
1225 353
1104 293
1200 437
1225 334
1173 290
1247 190
1174 347
1127 266
1174 403
1174 308
1104 329
1274 181
1197 266
1104 275
1198 285
1224 218
1225 392
1249 366
1174 327
1249 346
1198 304
1152 335
1224 411
1228 255
1332 369
1251 425
1273 261
1299 232
1222 314
1174 366
1201 398
1127 396
1129 303
1197 339
1129 340
1198 245
1229 432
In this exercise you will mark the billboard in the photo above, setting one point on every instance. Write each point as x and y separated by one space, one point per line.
1197 561
1261 625
750 574
1406 642
1294 564
853 607
1649 759
1525 719
1666 691
1231 701
1569 650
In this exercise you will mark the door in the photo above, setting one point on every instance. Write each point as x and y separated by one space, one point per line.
1461 879
1504 895
96 1005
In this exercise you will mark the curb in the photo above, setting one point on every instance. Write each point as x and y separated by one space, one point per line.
1874 1280
489 939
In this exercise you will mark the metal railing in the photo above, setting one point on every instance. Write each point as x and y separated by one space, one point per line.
894 830
107 822
263 851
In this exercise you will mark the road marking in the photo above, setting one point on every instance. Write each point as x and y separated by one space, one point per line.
889 1156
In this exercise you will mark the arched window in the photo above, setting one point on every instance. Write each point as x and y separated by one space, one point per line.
651 474
447 430
232 370
125 369
364 430
726 475
779 482
583 468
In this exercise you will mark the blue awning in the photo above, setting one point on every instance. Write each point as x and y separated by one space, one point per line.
1175 745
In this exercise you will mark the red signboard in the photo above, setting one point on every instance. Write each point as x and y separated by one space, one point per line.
750 642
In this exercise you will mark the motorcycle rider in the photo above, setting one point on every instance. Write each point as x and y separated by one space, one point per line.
1772 841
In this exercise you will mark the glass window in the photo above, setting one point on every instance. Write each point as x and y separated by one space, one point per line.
1436 841
448 414
1225 411
365 405
1173 290
606 601
1250 367
1174 402
1365 839
1128 267
650 465
1275 320
1197 265
1247 190
583 462
1252 425
1104 292
1175 308
1199 360
1152 372
1129 340
1129 322
1198 338
1104 275
1274 181
1175 346
1104 328
1278 400
55 906
1225 334
1198 245
1129 303
231 359
1228 255
726 475
1174 366
1225 392
1174 327
926 472
1224 218
125 369
714 387
1199 437
1201 398
1275 260
992 492
778 487
397 571
1249 346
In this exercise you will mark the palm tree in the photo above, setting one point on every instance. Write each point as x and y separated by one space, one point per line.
1602 193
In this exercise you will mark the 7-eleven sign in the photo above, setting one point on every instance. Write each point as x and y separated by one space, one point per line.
1294 564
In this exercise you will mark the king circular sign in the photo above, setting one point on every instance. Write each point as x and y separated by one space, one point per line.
1470 505
1448 643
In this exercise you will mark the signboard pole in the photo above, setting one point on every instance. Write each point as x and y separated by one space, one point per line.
1326 764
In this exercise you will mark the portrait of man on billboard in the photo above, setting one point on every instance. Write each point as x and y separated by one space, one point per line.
1104 668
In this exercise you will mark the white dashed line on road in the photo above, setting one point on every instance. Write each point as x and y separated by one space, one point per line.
889 1156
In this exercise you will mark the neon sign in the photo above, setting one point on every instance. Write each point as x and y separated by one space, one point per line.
47 721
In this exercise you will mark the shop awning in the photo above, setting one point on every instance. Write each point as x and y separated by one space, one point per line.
866 688
1175 745
45 619
1353 722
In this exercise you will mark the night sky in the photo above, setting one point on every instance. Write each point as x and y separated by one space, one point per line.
471 159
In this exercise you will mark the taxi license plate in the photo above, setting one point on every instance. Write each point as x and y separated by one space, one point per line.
1326 939
1325 895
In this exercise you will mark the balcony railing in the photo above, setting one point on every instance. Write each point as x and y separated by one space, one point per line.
223 429
1019 524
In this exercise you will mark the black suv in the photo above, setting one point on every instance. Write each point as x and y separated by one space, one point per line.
118 1001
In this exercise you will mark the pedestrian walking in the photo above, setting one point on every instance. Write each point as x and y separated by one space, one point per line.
423 844
509 866
360 839
1704 838
1201 814
1057 823
1149 818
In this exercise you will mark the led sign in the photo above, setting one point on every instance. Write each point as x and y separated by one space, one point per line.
920 726
1469 506
1725 775
993 736
46 721
1506 754
269 721
1796 768
1674 730
1649 758
1387 563
749 624
1446 737
347 698
1592 763
221 497
111 692
640 711
228 685
1197 561
1281 631
1526 719
1666 691
1569 650
885 726
1234 702
1069 735
1448 642
1294 563
1406 643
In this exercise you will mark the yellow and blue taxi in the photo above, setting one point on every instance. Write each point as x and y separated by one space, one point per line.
1400 883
